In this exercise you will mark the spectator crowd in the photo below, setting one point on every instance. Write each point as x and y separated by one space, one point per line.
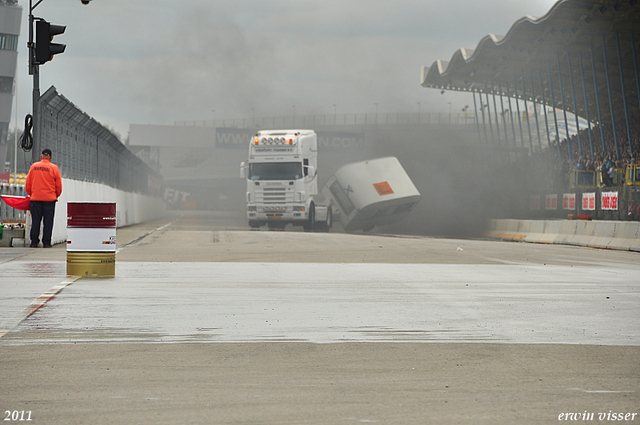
555 174
605 157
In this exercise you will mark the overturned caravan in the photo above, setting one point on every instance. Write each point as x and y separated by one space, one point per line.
370 193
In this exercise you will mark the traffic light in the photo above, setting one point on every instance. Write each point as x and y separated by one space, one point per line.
45 49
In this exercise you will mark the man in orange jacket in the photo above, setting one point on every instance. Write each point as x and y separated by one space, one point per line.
44 186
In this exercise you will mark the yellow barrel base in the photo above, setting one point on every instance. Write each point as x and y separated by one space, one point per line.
91 264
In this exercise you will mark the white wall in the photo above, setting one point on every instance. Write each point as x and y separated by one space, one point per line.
131 208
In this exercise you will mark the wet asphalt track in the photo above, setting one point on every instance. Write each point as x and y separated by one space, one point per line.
204 279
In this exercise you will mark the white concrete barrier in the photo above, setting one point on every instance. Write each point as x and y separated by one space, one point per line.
550 232
131 208
566 232
603 234
524 226
635 246
625 236
536 231
585 231
621 235
504 229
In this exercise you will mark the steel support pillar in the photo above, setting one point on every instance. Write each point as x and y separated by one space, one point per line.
586 103
555 116
524 97
475 106
515 85
502 114
624 93
495 110
513 123
484 122
535 109
606 73
635 66
595 90
544 105
564 109
575 105
486 88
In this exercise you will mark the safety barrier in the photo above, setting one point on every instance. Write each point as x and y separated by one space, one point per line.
132 208
620 235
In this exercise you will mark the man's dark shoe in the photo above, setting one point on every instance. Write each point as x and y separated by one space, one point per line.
46 246
33 245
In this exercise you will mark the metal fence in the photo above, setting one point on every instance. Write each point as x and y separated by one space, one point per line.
85 150
7 213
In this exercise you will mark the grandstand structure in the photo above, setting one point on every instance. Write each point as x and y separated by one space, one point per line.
581 57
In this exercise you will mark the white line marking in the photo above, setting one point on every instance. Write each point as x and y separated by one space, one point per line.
146 234
36 305
51 293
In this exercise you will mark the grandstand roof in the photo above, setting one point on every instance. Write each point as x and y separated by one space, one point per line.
535 51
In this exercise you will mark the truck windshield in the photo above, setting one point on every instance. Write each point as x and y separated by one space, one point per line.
275 171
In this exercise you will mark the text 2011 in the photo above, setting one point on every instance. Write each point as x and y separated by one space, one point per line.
17 415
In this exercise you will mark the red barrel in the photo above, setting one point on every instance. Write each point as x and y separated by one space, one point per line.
91 239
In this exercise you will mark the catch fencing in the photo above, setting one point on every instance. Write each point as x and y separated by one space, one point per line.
85 151
7 213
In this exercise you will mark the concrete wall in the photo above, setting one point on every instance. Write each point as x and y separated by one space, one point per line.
621 235
131 208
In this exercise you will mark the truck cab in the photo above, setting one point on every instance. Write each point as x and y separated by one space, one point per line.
281 175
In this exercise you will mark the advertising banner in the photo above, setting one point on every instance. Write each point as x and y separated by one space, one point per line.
609 201
589 201
569 201
551 202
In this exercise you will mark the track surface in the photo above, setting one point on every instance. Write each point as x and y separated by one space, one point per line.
207 322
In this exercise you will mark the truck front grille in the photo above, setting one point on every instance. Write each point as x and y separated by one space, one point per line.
274 195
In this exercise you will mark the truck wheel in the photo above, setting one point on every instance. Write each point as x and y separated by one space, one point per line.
310 225
326 225
329 221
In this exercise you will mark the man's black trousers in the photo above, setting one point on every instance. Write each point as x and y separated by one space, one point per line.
42 211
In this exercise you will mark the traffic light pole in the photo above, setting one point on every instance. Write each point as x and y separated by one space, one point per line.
40 52
35 71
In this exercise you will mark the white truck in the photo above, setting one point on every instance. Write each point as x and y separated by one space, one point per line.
282 181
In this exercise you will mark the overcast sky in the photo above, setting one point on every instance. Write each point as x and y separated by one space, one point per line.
161 61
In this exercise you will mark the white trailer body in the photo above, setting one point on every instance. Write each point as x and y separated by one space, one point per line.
371 193
281 173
